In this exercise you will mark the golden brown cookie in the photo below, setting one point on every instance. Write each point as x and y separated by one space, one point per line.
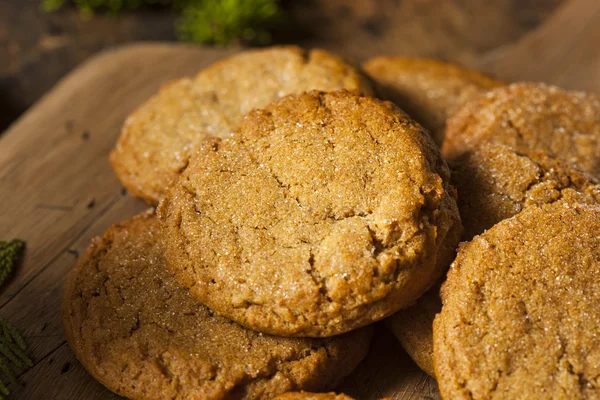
520 316
159 137
323 213
141 335
430 91
412 326
495 182
531 116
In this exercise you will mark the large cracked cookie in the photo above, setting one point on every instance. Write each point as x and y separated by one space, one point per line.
520 316
142 336
323 213
494 182
159 137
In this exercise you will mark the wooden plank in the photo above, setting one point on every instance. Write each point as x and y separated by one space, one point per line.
59 191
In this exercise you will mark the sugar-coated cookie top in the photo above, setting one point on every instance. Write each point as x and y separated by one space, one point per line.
520 316
324 212
159 137
531 117
141 335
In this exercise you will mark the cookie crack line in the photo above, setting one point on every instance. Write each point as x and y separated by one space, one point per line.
346 222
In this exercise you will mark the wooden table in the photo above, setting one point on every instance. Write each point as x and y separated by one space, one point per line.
58 190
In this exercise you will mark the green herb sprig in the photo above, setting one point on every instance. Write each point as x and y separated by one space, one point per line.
10 251
12 345
202 21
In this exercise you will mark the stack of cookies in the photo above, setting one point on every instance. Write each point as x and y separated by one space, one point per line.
295 209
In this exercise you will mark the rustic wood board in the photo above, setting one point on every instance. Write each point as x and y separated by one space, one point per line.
58 190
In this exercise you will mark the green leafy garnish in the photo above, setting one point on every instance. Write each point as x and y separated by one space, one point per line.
202 21
10 251
224 21
12 344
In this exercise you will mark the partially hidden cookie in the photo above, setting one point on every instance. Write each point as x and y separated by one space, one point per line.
142 336
493 182
531 116
431 91
323 213
159 137
520 316
413 327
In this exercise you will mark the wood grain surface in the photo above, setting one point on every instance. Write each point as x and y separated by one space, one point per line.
58 190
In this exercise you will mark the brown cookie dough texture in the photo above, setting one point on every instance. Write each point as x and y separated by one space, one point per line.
530 116
430 91
520 316
495 182
323 213
141 335
159 137
412 327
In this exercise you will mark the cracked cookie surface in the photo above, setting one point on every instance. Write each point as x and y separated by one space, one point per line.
142 336
495 182
531 117
323 213
520 316
159 137
431 91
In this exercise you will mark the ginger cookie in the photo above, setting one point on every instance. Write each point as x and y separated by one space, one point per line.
159 137
531 117
142 336
520 316
412 326
430 91
323 213
495 182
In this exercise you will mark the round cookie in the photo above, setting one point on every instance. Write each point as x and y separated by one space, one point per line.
142 336
530 116
520 316
430 91
324 212
159 137
412 326
495 182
